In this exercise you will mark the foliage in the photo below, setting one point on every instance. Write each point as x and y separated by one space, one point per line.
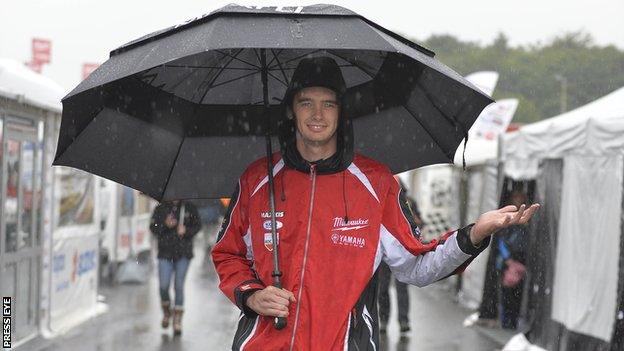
533 73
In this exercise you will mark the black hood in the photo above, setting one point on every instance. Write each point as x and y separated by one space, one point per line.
317 71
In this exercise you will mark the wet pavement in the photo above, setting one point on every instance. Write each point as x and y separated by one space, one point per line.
133 321
436 321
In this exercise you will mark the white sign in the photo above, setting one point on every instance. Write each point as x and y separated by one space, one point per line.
494 119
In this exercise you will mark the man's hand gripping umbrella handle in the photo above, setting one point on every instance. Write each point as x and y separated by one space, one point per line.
278 322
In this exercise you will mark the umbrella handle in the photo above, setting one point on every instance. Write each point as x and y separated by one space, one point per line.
279 322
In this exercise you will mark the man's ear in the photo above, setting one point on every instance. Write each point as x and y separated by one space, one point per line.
289 113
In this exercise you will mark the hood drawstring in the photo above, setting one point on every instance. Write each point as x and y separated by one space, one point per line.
464 152
344 196
283 197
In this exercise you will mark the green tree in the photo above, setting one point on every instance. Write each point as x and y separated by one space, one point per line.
534 73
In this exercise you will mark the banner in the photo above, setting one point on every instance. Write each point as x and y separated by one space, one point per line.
41 51
74 280
75 197
494 119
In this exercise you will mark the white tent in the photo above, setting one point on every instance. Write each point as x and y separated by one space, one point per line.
484 80
19 83
60 270
591 130
589 144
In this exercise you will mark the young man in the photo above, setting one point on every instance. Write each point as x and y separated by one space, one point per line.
339 214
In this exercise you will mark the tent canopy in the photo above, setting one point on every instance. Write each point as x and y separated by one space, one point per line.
18 82
590 130
478 152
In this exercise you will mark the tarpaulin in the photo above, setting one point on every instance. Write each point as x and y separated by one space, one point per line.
586 265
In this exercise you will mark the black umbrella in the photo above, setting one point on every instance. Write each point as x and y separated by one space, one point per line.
181 112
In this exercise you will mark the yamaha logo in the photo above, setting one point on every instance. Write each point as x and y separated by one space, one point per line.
348 240
335 238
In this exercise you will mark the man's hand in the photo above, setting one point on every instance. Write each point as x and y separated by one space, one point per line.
181 230
271 301
493 221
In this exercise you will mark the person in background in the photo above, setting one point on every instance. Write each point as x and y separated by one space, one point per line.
385 277
174 224
511 260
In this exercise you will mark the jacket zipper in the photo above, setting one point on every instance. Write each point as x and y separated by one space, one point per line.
305 255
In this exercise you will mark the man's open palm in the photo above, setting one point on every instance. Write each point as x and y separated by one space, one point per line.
493 221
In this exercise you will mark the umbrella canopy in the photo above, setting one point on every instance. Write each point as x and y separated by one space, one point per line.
181 112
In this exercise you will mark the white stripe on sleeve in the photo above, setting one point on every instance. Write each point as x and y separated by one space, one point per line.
423 269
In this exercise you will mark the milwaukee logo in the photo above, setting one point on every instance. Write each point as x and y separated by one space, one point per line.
340 224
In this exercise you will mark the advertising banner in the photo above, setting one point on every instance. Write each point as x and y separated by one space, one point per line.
74 280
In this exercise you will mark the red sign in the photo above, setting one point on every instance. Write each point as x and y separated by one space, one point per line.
88 68
41 50
140 236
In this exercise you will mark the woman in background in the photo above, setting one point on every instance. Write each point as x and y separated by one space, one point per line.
174 224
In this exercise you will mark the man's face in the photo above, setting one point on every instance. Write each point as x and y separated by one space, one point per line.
316 113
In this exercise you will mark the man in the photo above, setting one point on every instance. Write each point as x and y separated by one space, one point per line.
339 214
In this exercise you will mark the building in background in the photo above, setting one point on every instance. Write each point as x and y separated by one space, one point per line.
54 221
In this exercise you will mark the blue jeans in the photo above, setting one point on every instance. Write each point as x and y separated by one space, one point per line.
166 269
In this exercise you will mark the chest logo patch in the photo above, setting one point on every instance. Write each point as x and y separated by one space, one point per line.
267 214
342 232
268 241
267 225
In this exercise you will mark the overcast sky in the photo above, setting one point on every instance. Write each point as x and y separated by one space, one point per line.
87 30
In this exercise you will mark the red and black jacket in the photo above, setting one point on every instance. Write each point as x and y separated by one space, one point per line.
327 262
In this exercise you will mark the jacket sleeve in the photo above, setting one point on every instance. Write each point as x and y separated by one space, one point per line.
157 222
413 261
232 254
192 222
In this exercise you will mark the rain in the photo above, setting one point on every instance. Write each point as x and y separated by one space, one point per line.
312 177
